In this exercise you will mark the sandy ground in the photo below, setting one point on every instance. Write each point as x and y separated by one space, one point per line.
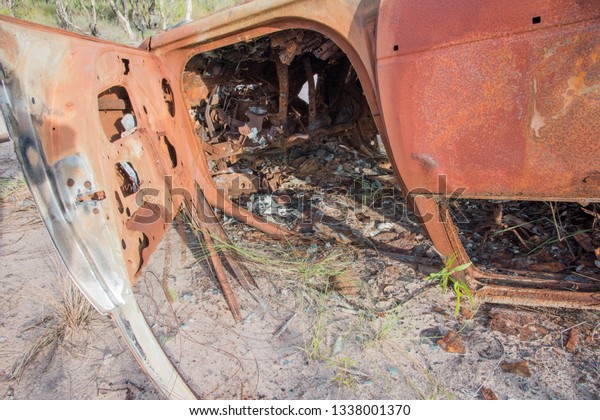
377 342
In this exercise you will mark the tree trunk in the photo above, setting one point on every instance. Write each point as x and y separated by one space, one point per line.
161 4
94 23
188 13
63 16
122 20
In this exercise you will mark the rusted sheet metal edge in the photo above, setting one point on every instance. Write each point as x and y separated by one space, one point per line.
467 196
539 297
219 24
498 36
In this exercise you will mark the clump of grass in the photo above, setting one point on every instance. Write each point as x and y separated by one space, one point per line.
312 269
11 186
69 314
386 326
343 377
311 274
315 339
449 276
428 388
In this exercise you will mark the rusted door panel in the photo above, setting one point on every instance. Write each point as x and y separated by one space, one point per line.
55 80
501 105
87 159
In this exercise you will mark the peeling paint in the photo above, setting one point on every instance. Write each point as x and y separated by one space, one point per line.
576 87
549 52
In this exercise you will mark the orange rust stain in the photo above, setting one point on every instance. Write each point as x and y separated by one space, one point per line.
9 46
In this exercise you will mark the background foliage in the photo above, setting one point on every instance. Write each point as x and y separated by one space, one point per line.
127 21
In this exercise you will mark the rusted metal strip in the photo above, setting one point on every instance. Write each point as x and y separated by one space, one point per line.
284 90
217 232
539 297
312 93
217 264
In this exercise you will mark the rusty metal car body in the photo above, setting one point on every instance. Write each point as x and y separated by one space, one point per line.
496 99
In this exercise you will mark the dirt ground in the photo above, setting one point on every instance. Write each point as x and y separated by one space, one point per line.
331 321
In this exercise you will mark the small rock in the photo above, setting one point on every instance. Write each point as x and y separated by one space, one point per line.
370 230
524 353
393 271
251 316
432 334
108 358
394 371
573 341
488 394
328 233
491 350
386 236
321 153
452 343
517 368
524 386
385 227
511 322
431 253
466 312
338 346
187 296
347 283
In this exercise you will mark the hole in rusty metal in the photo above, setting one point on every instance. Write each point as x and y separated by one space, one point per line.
119 203
395 47
172 152
126 66
536 19
168 97
130 182
116 113
143 243
123 244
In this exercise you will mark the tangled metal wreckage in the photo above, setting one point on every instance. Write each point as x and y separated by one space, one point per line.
486 99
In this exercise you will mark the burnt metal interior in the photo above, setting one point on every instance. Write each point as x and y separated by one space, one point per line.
274 92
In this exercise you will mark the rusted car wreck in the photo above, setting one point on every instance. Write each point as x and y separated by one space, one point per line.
490 99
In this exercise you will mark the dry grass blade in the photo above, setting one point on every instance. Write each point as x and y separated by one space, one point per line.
70 313
10 186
